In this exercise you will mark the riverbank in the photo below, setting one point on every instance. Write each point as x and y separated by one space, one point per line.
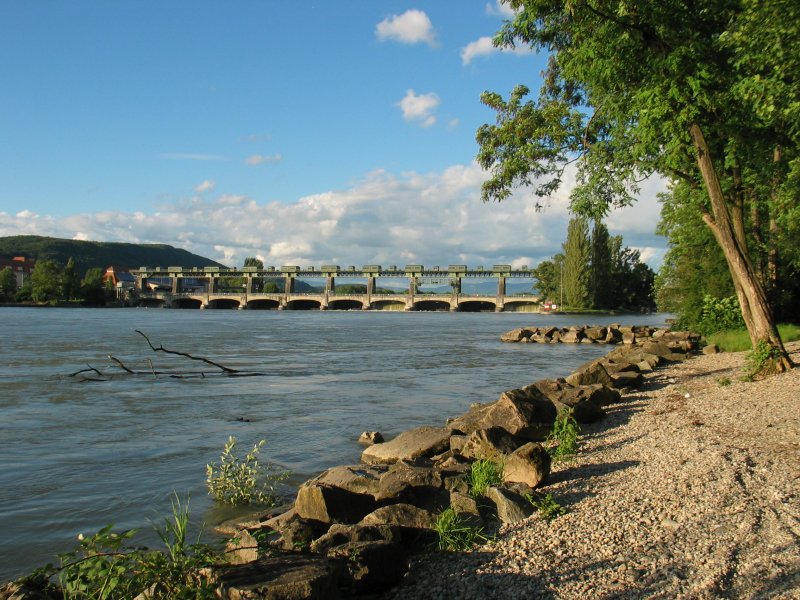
688 489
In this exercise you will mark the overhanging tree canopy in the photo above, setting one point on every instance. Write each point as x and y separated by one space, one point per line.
701 92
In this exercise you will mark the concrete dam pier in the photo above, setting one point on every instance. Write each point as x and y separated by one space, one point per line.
372 287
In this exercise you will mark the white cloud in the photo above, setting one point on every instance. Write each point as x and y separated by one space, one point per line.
414 218
206 185
483 46
412 27
500 9
260 159
419 108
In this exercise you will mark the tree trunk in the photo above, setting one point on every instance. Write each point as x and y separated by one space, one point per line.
761 324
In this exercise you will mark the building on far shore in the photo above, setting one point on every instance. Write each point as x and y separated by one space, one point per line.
21 266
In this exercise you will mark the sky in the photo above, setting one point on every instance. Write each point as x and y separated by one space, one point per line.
302 133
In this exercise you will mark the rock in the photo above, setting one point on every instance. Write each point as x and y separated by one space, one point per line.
401 515
591 372
525 413
511 507
489 443
596 334
371 566
572 336
711 349
627 380
370 437
289 577
295 534
516 335
344 494
457 442
529 464
28 590
421 486
579 401
341 533
422 441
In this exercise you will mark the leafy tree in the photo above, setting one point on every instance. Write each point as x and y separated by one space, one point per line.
252 261
631 280
93 289
46 282
8 284
701 92
577 260
548 278
70 281
601 286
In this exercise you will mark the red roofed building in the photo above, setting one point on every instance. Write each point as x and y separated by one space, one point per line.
21 266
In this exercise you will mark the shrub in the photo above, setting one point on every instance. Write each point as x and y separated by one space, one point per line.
240 481
720 314
454 533
483 474
565 436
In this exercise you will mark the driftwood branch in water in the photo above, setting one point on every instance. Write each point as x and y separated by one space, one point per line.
121 365
186 355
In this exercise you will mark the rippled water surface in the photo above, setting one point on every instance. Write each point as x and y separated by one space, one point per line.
75 456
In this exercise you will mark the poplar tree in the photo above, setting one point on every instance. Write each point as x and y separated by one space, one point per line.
601 284
577 264
703 92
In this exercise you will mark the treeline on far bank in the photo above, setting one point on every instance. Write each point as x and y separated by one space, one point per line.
50 283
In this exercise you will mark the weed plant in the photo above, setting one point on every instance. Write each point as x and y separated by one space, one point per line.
483 474
563 439
105 566
761 360
546 506
241 481
454 533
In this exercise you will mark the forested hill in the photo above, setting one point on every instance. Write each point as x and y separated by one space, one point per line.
100 254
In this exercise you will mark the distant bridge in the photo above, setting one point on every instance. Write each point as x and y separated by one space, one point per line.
274 288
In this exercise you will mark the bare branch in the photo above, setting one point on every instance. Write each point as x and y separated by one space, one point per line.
185 354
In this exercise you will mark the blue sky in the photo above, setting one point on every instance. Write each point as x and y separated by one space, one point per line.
299 132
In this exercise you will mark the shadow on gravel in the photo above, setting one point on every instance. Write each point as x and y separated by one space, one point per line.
585 472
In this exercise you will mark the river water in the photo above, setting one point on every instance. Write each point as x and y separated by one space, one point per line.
77 455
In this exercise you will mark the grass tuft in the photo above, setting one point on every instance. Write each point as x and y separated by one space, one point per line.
454 533
565 435
483 474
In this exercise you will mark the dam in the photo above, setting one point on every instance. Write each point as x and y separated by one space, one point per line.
372 287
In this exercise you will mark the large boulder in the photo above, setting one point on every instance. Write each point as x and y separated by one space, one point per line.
411 444
286 577
343 494
510 506
372 566
421 486
343 533
525 413
529 464
489 443
591 372
516 335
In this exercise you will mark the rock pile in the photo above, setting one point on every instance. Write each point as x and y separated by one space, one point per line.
352 529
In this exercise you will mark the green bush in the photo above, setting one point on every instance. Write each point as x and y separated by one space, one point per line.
240 481
454 533
563 439
483 474
720 314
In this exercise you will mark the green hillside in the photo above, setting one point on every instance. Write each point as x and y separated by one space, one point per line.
100 254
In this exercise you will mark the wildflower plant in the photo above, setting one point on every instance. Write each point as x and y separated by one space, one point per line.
242 481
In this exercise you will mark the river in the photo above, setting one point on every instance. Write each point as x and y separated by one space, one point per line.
78 455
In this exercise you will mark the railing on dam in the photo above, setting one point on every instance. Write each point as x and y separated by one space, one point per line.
372 287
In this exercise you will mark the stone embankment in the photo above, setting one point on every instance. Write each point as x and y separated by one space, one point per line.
355 528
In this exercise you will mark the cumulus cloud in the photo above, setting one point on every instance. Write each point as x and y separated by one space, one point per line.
260 159
412 27
499 9
484 47
388 219
419 108
206 185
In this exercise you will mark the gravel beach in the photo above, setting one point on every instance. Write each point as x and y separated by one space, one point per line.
690 488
